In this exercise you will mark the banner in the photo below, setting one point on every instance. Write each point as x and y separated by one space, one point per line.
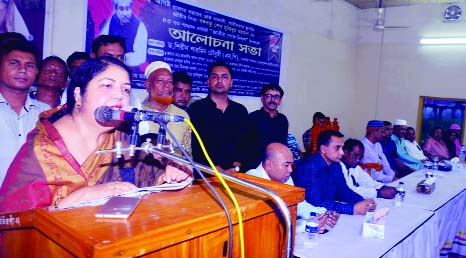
189 38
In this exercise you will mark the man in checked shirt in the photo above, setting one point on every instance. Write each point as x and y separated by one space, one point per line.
320 174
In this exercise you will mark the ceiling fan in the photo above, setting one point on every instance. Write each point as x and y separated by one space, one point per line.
380 22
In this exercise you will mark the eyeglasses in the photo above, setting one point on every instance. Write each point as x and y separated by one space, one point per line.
270 96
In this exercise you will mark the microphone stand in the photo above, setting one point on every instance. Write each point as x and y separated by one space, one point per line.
149 148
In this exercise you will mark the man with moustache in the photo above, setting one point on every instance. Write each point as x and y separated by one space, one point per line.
267 125
19 113
221 122
321 175
159 85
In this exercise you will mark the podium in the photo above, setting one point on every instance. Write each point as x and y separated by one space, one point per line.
184 223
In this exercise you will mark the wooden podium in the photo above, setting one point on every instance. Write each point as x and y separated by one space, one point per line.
185 223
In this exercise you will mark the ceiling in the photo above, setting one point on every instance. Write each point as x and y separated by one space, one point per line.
364 4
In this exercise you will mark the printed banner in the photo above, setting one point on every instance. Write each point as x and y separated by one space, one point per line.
189 38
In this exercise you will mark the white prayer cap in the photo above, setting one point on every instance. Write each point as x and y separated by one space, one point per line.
400 122
155 66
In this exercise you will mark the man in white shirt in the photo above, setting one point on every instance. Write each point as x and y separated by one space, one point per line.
412 146
19 113
277 166
359 180
373 152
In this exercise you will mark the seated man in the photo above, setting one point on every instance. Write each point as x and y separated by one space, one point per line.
318 117
411 145
320 174
390 151
359 180
373 153
399 131
435 146
277 166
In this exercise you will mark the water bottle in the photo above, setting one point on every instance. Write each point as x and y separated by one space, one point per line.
400 194
312 231
462 153
435 163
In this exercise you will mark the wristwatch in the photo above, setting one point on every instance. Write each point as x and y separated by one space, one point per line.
236 168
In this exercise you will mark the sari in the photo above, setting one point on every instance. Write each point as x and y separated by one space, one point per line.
44 171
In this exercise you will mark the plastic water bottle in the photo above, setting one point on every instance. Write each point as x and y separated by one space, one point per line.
312 231
400 194
462 153
435 163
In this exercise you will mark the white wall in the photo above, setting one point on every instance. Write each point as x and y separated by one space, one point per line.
407 69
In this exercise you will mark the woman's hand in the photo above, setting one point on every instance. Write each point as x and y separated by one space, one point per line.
95 192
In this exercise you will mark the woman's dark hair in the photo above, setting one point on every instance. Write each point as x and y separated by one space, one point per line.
85 73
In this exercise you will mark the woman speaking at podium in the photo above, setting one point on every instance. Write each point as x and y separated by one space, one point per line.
57 167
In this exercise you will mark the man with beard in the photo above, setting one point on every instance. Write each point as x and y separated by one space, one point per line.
221 122
159 85
398 136
125 24
267 125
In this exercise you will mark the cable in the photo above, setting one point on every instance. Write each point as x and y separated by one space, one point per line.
217 196
227 188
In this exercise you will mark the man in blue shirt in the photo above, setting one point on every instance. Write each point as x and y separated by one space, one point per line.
321 176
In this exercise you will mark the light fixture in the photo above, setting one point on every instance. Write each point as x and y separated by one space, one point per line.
442 41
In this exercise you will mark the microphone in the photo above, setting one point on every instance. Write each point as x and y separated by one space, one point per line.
106 114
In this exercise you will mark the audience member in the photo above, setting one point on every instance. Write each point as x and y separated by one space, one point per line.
75 60
267 125
434 146
58 166
318 117
449 139
18 112
359 180
125 24
159 85
276 165
412 146
373 153
183 84
321 175
221 122
399 131
389 149
51 81
457 128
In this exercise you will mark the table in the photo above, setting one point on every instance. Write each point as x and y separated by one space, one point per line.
448 201
346 240
434 223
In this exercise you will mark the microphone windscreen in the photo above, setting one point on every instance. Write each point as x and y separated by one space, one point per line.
103 114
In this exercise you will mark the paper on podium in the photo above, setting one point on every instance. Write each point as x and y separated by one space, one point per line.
139 192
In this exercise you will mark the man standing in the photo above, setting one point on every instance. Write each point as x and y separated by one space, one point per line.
412 146
182 83
221 122
399 131
19 113
114 46
320 174
373 153
125 24
359 180
51 81
277 166
267 125
159 85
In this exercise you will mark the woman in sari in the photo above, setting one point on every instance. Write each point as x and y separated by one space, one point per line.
57 167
